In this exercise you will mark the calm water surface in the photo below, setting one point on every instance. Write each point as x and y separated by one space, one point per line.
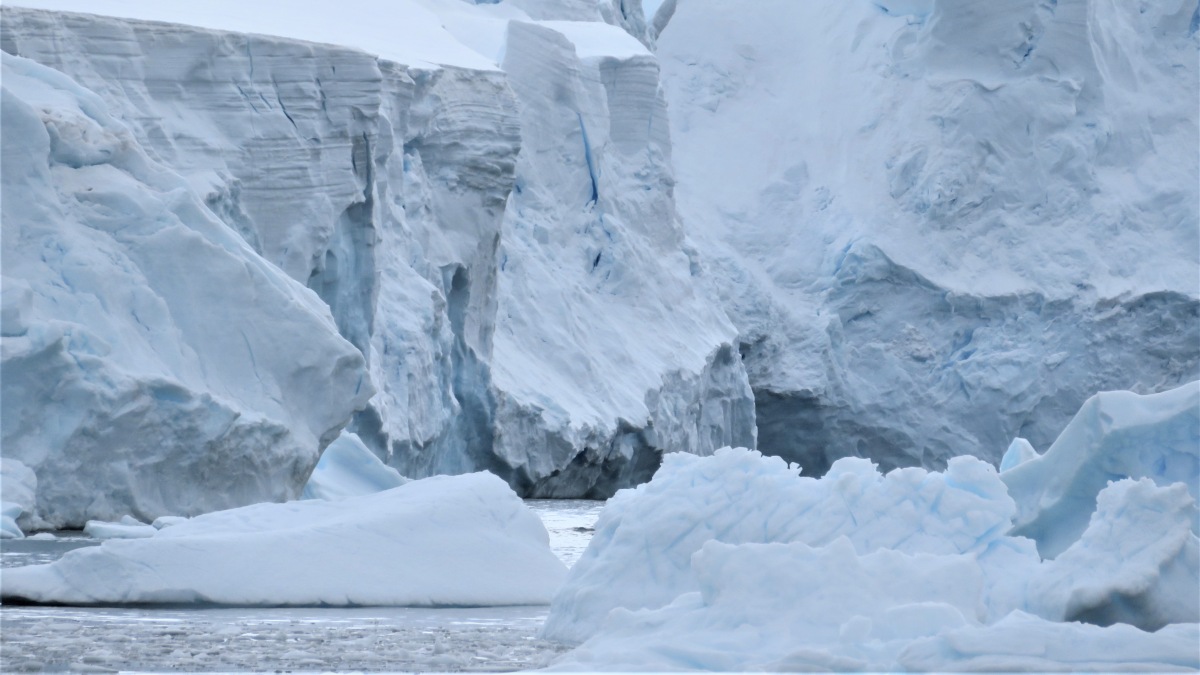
93 639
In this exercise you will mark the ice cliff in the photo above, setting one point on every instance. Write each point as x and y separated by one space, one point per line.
940 225
481 198
152 362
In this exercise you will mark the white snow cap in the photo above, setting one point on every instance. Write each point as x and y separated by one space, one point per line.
462 540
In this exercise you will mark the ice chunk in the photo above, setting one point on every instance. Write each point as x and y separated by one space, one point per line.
640 555
463 540
1019 451
734 562
348 468
9 512
1022 642
167 521
1114 435
1138 562
18 485
127 528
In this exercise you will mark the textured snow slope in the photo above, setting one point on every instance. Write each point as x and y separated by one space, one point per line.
501 246
939 224
448 540
152 362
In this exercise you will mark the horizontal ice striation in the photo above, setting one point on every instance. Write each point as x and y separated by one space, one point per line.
427 205
965 221
607 351
152 362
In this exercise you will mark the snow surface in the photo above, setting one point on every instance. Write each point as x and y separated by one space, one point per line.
152 362
348 469
734 562
445 216
462 541
986 209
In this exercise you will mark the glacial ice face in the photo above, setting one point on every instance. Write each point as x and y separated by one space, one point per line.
985 209
490 318
152 362
607 351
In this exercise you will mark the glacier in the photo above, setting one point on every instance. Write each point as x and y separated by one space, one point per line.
985 209
443 541
152 362
485 207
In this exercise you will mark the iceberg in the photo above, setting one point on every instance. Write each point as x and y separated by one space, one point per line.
734 562
462 541
642 551
737 562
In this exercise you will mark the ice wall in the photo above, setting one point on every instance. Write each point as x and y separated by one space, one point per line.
152 363
500 243
941 225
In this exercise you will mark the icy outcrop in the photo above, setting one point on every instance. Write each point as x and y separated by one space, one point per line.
461 540
987 210
734 562
504 252
1114 434
152 363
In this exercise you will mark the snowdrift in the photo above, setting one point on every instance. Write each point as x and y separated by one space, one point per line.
736 562
462 541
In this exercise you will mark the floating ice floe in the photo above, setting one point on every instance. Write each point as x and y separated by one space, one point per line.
735 562
463 541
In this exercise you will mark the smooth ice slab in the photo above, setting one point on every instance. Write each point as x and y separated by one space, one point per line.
461 541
